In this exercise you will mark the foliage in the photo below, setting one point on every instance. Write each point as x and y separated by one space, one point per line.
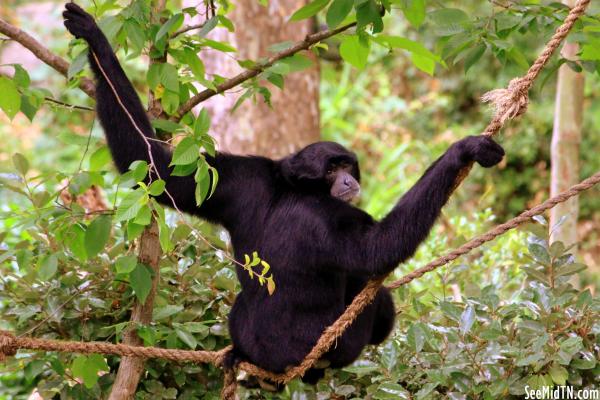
481 328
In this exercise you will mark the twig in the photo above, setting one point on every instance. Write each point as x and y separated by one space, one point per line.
251 73
187 29
67 105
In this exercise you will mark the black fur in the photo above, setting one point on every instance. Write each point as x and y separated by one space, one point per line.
322 250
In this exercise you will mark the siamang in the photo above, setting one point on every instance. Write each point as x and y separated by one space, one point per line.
297 213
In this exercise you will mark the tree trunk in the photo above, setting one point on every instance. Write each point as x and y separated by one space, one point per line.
254 128
131 368
566 137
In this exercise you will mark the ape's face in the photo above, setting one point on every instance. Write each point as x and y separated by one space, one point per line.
324 167
341 182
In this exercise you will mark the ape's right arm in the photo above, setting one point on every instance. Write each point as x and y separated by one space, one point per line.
129 133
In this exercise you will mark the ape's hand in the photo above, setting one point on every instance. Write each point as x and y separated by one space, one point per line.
481 149
79 23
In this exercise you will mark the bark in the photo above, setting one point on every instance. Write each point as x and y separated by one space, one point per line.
566 138
131 368
254 128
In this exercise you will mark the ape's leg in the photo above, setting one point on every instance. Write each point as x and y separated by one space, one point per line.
385 314
381 322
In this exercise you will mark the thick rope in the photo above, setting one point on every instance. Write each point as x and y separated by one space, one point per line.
508 103
10 343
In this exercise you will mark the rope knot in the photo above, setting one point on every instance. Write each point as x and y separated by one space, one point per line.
8 346
510 102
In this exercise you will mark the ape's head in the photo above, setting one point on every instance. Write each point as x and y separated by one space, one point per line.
324 167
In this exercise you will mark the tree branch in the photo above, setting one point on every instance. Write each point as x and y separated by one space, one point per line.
251 73
45 55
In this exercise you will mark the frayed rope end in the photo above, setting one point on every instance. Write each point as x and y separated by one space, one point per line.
7 345
509 103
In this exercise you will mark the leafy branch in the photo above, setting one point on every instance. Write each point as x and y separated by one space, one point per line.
43 54
305 44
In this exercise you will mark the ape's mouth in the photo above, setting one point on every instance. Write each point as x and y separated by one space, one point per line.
348 195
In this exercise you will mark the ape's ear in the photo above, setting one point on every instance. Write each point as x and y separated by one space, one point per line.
300 167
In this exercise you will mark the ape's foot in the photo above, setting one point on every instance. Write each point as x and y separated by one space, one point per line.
313 375
252 382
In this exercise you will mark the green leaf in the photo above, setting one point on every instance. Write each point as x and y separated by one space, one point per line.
194 62
450 310
398 42
202 123
75 240
166 312
276 79
21 77
136 34
88 367
425 64
170 26
186 152
558 374
221 46
99 158
157 187
97 234
187 338
10 99
338 11
48 267
414 11
169 78
539 252
140 280
368 13
153 76
354 51
125 264
77 64
131 205
166 125
473 55
449 21
144 216
202 180
467 319
184 170
297 62
139 170
20 162
570 269
391 391
309 10
415 337
208 26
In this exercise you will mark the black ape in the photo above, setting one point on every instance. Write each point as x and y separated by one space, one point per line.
295 213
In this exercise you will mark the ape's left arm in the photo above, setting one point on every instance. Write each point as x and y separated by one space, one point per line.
377 248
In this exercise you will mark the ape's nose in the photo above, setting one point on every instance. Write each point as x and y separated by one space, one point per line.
347 181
